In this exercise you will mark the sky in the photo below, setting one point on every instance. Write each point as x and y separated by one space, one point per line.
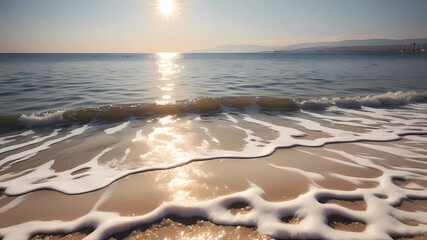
101 26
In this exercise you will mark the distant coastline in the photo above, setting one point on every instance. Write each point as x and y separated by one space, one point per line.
367 45
414 47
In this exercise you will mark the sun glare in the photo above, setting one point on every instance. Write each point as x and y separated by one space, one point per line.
166 6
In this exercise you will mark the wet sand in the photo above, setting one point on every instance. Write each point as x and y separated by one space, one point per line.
283 176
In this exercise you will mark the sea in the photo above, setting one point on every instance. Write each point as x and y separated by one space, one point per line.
77 126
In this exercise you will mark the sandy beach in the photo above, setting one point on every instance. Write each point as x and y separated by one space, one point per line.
339 187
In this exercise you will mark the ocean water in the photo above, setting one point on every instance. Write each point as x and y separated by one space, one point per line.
80 124
36 83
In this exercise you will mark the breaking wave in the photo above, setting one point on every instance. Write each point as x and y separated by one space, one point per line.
120 112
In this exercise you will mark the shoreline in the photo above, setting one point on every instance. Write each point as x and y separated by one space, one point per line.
293 174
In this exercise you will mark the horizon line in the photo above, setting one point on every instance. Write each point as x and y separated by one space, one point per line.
235 44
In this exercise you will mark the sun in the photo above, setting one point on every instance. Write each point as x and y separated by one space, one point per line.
166 7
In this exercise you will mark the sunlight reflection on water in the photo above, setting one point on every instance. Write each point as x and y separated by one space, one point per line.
168 69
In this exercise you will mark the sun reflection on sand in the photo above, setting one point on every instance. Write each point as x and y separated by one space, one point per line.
183 183
167 143
172 144
168 69
164 141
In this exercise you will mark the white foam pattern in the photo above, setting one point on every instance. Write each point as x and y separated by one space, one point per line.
136 146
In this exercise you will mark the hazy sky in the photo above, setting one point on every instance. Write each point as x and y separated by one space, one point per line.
138 26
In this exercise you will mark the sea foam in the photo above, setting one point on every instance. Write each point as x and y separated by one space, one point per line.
162 142
167 142
34 120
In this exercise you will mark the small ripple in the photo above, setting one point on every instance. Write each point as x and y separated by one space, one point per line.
252 86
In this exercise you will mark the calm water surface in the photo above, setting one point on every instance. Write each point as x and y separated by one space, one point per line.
31 83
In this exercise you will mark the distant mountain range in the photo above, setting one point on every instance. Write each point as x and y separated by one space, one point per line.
347 45
243 48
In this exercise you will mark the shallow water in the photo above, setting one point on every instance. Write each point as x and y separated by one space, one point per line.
85 157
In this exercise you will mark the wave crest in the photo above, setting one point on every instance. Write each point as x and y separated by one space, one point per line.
120 112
